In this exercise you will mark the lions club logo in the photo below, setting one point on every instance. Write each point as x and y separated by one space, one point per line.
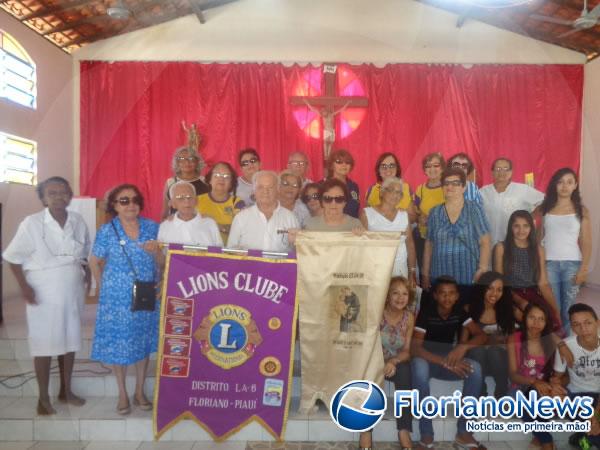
358 406
228 336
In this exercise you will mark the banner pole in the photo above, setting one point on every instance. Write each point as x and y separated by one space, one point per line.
234 251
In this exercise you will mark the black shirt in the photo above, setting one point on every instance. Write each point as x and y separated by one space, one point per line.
441 335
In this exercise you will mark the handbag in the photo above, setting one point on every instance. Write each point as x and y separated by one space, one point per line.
144 292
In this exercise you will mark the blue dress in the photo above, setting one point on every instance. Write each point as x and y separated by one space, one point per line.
122 336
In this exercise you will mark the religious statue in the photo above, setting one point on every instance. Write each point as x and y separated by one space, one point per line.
193 137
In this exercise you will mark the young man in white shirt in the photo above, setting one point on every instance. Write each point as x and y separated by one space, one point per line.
584 376
264 225
504 197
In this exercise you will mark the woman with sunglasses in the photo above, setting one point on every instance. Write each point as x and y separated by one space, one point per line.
220 204
124 253
388 166
250 164
339 166
458 237
387 217
310 197
47 257
289 191
334 196
187 165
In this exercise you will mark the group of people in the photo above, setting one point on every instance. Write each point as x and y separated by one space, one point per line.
452 340
451 235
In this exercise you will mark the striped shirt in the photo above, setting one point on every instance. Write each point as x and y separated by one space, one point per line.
472 193
456 245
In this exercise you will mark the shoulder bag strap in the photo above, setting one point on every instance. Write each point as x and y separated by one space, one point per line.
122 245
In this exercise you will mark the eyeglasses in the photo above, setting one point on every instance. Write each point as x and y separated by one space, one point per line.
307 198
455 183
338 199
297 163
433 165
124 201
460 165
342 161
394 191
184 197
388 166
502 169
247 162
225 176
187 158
287 183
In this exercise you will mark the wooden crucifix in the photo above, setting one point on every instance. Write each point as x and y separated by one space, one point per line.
329 105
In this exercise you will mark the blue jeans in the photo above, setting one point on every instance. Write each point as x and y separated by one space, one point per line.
423 370
560 277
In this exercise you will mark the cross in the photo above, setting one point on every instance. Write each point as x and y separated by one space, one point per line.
329 105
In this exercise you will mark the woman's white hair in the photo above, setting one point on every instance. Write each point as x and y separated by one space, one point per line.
191 152
392 180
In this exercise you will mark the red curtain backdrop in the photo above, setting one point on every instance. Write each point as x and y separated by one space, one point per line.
131 114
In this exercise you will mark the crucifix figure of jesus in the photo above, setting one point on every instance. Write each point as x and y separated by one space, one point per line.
329 105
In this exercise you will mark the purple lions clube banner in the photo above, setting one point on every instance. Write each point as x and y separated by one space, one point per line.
226 336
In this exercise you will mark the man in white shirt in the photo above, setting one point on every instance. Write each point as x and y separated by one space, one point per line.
584 376
187 226
264 225
298 165
504 197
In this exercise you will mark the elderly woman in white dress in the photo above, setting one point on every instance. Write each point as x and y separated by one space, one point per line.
387 217
48 258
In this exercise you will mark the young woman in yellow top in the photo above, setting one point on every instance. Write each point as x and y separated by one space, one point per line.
387 166
220 203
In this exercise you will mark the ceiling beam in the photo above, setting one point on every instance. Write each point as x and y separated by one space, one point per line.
462 18
42 12
197 8
215 3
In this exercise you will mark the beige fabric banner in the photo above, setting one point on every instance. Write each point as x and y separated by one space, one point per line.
342 285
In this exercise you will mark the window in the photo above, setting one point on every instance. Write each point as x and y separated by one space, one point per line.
17 73
18 160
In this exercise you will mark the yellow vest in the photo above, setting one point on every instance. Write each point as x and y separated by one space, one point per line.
221 212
